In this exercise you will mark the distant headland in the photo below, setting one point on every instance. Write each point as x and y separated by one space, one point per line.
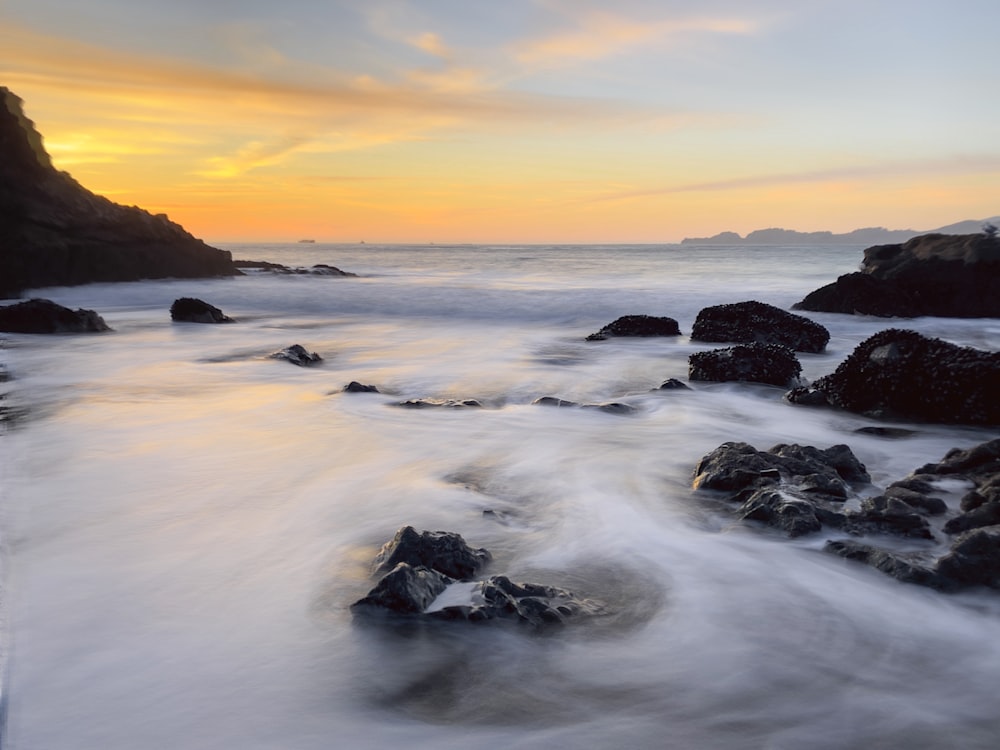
865 237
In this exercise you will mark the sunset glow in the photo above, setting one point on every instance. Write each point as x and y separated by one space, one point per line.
526 121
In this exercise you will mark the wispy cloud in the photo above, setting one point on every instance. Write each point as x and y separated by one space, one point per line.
598 35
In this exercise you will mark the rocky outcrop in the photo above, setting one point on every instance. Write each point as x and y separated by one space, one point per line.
637 325
612 407
297 355
801 490
904 375
955 276
753 363
263 266
55 232
755 322
193 310
45 316
355 387
422 575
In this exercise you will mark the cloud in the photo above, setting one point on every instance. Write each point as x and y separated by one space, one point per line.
599 35
956 165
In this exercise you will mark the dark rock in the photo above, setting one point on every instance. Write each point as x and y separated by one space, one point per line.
860 294
933 274
45 316
804 395
55 232
638 325
429 403
297 355
499 598
916 499
772 507
553 401
891 433
613 407
905 568
756 322
673 384
979 462
902 374
974 559
985 514
355 387
443 551
320 269
192 310
756 363
884 514
406 589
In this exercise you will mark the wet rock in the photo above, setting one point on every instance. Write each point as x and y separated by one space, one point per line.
499 598
974 559
673 384
297 355
903 567
891 433
884 514
443 551
45 316
430 403
905 375
406 589
637 325
981 462
794 516
355 387
193 310
559 403
755 363
613 407
757 322
933 274
805 395
986 514
263 266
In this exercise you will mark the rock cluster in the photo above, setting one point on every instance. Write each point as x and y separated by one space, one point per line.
417 568
772 364
55 232
802 490
956 276
263 266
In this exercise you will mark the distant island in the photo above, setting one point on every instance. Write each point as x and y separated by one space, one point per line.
867 236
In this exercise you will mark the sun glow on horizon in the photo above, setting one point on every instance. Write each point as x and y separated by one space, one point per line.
590 123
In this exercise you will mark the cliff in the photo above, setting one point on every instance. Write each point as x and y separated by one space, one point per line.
55 232
866 236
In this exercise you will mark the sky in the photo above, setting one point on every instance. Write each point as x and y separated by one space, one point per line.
521 121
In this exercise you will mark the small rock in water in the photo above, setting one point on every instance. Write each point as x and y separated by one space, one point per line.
45 316
297 355
355 387
771 364
637 325
193 310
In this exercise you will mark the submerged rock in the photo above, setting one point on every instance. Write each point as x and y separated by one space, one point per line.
612 407
904 375
954 276
449 403
193 310
754 363
756 322
355 387
297 355
637 325
263 266
45 316
499 598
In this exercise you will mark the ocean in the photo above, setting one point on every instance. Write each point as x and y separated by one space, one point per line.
185 522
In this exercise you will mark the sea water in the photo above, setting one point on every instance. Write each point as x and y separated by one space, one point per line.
185 521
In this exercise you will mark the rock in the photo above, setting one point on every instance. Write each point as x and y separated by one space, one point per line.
933 274
499 598
756 363
980 462
756 322
805 395
553 401
974 559
320 269
891 433
45 316
905 375
905 568
613 407
772 507
192 310
450 403
355 387
57 233
673 384
638 325
297 355
884 514
985 514
406 589
443 551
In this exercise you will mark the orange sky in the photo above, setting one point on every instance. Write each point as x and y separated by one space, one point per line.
534 121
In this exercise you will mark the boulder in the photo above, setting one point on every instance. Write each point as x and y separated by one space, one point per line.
192 310
756 363
297 355
612 407
974 559
638 325
57 233
443 551
933 274
45 316
499 598
756 322
355 387
901 374
406 589
673 384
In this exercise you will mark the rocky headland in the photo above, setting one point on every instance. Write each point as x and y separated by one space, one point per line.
55 232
